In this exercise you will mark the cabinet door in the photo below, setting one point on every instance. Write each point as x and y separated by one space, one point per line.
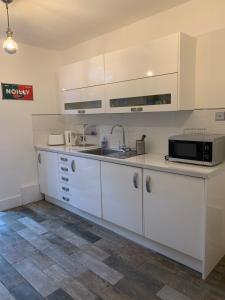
173 211
90 100
122 195
83 184
81 74
158 57
147 94
48 173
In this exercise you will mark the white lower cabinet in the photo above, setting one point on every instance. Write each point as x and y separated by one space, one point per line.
122 195
48 173
174 211
80 183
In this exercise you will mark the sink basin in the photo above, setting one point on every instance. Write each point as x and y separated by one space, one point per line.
111 153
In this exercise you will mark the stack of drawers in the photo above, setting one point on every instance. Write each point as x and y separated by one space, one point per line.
67 168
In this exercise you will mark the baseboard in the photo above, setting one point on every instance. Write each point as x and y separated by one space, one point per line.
30 193
10 202
164 250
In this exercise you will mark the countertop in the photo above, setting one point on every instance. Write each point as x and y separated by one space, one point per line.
146 161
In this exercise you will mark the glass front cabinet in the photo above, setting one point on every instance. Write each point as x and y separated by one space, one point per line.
143 95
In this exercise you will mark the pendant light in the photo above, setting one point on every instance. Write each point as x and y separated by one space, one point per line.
9 45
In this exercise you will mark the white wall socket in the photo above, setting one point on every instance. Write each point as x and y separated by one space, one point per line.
220 116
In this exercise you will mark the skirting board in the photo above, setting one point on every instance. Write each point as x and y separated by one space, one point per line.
164 250
28 194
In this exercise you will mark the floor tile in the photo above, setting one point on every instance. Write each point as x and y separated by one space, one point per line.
40 281
56 273
98 267
33 225
77 290
74 268
167 293
101 287
60 243
85 234
4 293
59 294
25 291
96 252
74 239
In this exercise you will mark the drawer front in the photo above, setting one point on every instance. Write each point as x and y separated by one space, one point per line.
65 179
68 169
65 159
66 189
65 197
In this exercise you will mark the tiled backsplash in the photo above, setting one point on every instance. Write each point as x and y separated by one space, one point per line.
156 126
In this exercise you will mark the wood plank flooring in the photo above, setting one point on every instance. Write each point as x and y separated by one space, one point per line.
49 253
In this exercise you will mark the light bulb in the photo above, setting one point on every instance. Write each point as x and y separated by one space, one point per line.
10 46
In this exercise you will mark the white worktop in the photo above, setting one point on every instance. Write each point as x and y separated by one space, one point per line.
147 161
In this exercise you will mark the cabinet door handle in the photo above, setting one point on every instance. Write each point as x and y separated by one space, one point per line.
39 158
73 166
135 180
64 169
65 189
65 179
147 183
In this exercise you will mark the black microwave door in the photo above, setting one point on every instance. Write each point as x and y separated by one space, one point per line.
190 150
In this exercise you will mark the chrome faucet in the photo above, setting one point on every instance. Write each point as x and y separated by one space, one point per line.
123 147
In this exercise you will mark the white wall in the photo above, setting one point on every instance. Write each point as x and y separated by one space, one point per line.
204 19
37 67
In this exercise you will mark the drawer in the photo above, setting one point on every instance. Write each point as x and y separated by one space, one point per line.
68 169
65 179
66 189
65 198
65 159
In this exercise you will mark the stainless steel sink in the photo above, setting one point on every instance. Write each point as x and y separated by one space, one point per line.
111 153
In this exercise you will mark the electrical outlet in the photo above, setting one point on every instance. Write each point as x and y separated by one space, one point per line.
220 116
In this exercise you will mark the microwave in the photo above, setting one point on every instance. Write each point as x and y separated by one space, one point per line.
197 149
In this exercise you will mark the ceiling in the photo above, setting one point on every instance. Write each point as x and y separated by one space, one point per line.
60 24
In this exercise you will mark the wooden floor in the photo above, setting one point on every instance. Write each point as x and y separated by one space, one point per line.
49 253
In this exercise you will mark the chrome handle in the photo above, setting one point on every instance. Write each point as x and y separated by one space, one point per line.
65 179
73 166
81 111
65 189
64 159
39 158
147 183
135 180
64 169
66 199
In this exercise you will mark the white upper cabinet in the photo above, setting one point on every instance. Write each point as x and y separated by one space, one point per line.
158 76
147 94
81 74
83 101
158 57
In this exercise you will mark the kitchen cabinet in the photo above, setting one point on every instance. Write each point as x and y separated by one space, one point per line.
158 76
80 183
148 94
90 100
122 195
173 208
159 56
85 73
48 173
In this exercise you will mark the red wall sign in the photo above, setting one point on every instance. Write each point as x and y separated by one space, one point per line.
17 92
